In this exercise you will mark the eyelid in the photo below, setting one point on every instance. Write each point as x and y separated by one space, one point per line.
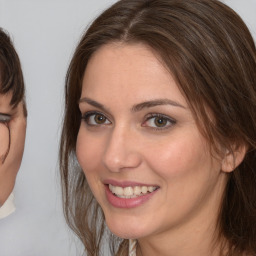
88 114
151 115
93 112
154 115
85 116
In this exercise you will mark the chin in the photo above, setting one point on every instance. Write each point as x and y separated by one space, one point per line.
127 228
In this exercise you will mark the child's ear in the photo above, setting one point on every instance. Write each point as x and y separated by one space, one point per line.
233 158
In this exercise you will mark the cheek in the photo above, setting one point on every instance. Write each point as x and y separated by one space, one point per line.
17 145
177 156
89 151
187 175
4 141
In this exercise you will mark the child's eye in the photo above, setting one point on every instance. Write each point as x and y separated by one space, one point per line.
94 119
4 118
158 121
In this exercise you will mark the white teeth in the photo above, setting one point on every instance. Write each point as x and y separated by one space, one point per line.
131 192
144 190
128 191
151 189
119 190
137 190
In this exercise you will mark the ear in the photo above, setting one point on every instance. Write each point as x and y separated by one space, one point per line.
233 158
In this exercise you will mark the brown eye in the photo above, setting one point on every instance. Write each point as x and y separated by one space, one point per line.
160 121
95 119
99 119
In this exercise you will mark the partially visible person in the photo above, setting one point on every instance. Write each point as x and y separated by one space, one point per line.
12 121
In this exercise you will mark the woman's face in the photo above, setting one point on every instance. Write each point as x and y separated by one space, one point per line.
141 151
12 139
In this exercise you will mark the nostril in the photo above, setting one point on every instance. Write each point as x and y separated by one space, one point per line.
123 162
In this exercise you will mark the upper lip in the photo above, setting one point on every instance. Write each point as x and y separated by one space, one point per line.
127 183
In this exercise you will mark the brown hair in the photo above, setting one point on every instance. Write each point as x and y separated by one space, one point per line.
11 78
210 52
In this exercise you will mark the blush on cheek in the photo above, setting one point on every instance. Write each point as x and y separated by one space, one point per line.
176 159
87 152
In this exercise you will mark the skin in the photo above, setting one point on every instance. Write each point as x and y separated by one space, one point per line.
17 124
180 218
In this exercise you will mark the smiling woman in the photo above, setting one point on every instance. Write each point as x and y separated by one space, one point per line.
159 135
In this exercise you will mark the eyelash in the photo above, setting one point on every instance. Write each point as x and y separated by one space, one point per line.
89 114
160 116
149 117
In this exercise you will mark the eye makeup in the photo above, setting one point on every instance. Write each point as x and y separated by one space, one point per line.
94 118
158 121
155 121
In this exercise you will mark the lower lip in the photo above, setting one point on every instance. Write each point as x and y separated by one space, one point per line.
127 202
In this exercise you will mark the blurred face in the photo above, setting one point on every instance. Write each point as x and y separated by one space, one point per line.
141 151
12 138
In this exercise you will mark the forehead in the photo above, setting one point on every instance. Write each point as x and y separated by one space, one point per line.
128 71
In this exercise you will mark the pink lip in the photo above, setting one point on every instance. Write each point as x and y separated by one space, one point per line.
127 202
127 183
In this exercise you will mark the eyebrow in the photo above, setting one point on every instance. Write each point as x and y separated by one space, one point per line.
92 103
137 107
154 103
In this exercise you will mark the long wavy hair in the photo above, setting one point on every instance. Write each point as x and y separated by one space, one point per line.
211 54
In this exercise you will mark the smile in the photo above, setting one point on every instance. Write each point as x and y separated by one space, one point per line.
131 192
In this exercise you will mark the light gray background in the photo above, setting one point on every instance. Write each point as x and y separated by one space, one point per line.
45 33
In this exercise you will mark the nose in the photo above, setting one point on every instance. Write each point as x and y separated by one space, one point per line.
122 151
